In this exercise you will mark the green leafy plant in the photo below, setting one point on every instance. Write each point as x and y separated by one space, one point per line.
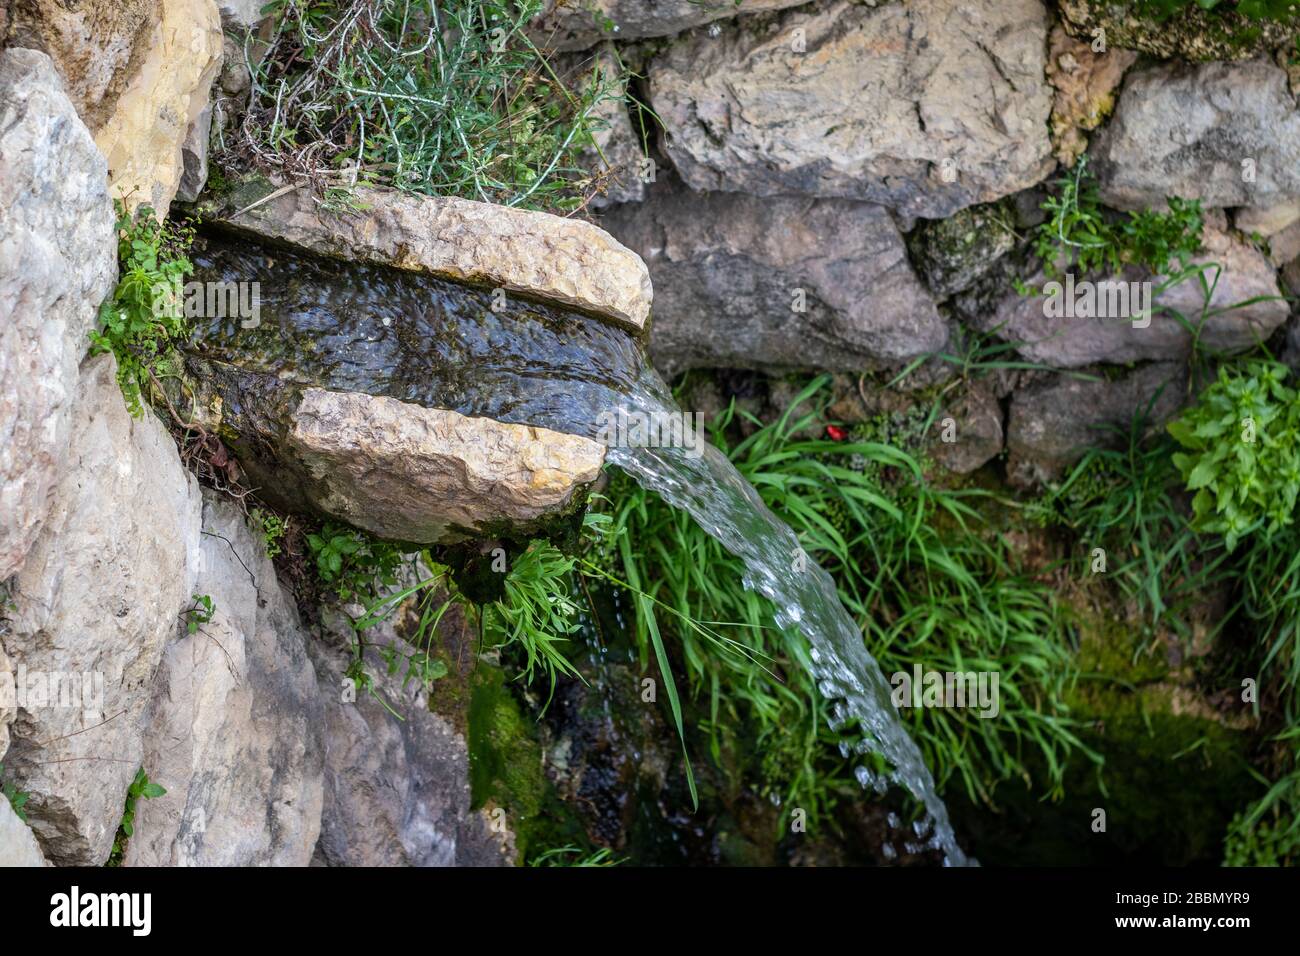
144 318
357 566
270 528
198 613
447 98
17 799
537 612
141 788
1242 452
1079 234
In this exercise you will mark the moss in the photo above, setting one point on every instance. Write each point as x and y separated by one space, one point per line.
1175 770
506 769
1192 33
952 253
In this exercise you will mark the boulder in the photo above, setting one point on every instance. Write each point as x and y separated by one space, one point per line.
1053 423
96 45
167 93
579 24
194 157
733 270
1243 273
18 846
534 254
57 263
396 787
235 729
93 607
242 13
1278 224
399 470
925 107
617 157
1225 133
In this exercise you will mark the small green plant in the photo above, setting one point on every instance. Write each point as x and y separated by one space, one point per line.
574 856
270 527
198 613
357 566
141 787
1241 455
144 318
537 612
17 799
1079 234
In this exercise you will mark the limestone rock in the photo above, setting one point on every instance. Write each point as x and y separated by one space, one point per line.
7 683
57 263
235 724
925 107
18 846
1085 82
396 791
1071 342
732 268
403 471
1053 423
94 604
167 92
578 24
96 45
194 157
1225 133
537 255
1279 224
242 13
616 156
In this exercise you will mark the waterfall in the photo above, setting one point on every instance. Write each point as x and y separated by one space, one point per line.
707 486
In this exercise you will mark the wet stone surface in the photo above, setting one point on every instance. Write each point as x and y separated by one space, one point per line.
419 339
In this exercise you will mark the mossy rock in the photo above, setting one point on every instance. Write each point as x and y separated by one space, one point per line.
951 254
506 770
1175 771
1191 34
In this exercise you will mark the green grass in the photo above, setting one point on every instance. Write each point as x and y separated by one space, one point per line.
917 567
442 98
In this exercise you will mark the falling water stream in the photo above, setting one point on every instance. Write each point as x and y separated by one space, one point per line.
707 486
423 340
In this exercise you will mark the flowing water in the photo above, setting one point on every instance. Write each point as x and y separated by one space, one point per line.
725 505
437 344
